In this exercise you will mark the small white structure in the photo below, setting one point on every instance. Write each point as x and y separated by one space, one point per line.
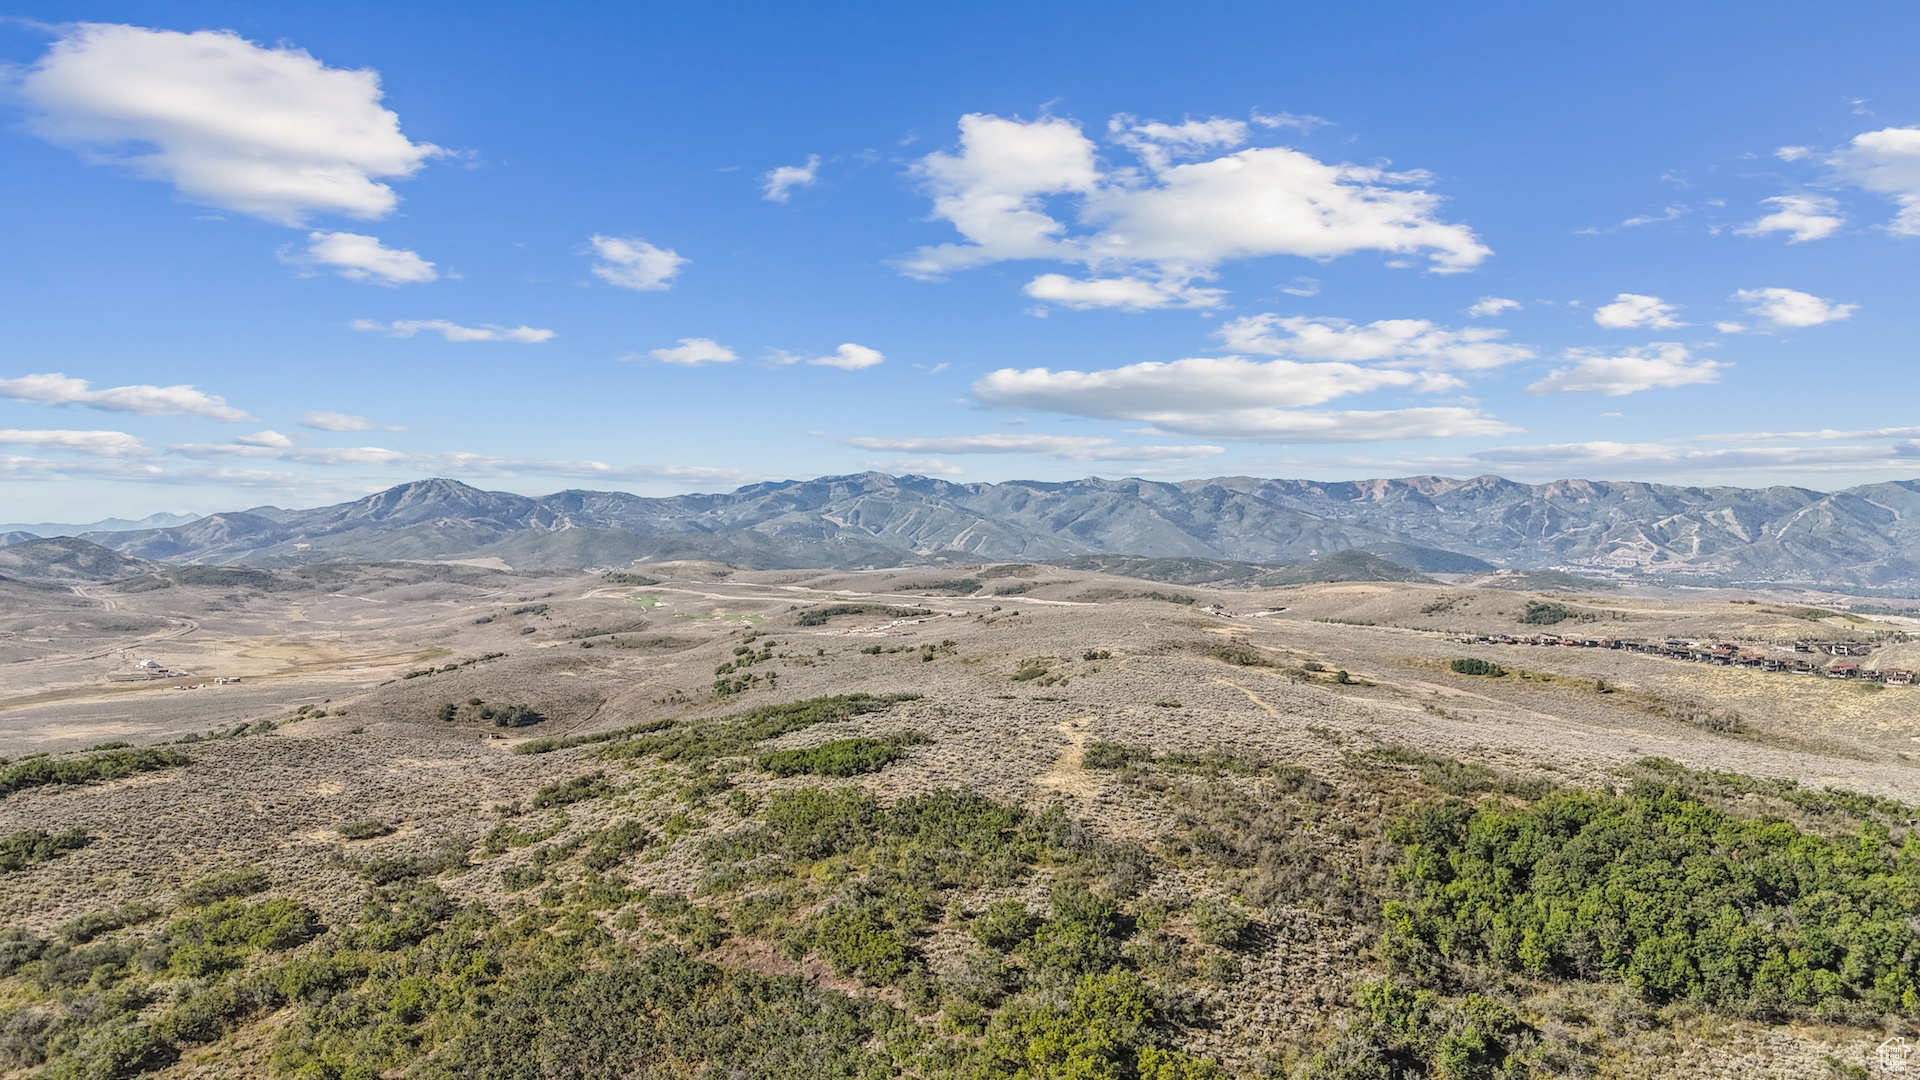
149 664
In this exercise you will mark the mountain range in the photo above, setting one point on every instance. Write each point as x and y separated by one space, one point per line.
1859 537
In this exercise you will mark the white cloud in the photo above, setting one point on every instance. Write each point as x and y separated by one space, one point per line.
270 132
850 357
1169 219
780 182
363 258
1302 286
1413 343
1633 311
1142 391
1683 456
1792 153
1803 217
1058 447
455 462
1662 364
1488 306
1303 122
692 352
1328 426
632 263
333 421
264 438
1886 162
58 389
1124 293
406 328
1673 211
1792 308
1730 327
1232 397
917 466
94 443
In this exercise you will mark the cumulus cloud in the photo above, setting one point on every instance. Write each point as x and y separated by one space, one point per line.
1233 397
92 443
1488 306
632 263
1662 364
270 132
850 357
1398 342
406 328
692 352
333 421
1801 217
272 439
778 184
1630 311
1173 218
1886 162
362 258
1793 308
58 389
1058 447
1142 391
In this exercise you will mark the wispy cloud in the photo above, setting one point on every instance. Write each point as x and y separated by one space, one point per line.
1058 447
95 443
778 184
406 328
333 421
142 400
692 352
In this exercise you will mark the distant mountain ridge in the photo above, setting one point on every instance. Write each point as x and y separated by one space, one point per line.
1863 536
151 521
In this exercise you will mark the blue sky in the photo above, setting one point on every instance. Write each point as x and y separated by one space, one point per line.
262 253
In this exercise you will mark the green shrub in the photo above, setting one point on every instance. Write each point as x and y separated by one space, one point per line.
448 855
1473 665
736 734
271 925
1674 897
841 757
90 769
29 846
1100 754
593 785
224 886
364 829
819 616
1219 922
515 716
1004 925
1542 613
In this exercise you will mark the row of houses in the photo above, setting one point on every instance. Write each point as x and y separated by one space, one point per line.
1725 654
